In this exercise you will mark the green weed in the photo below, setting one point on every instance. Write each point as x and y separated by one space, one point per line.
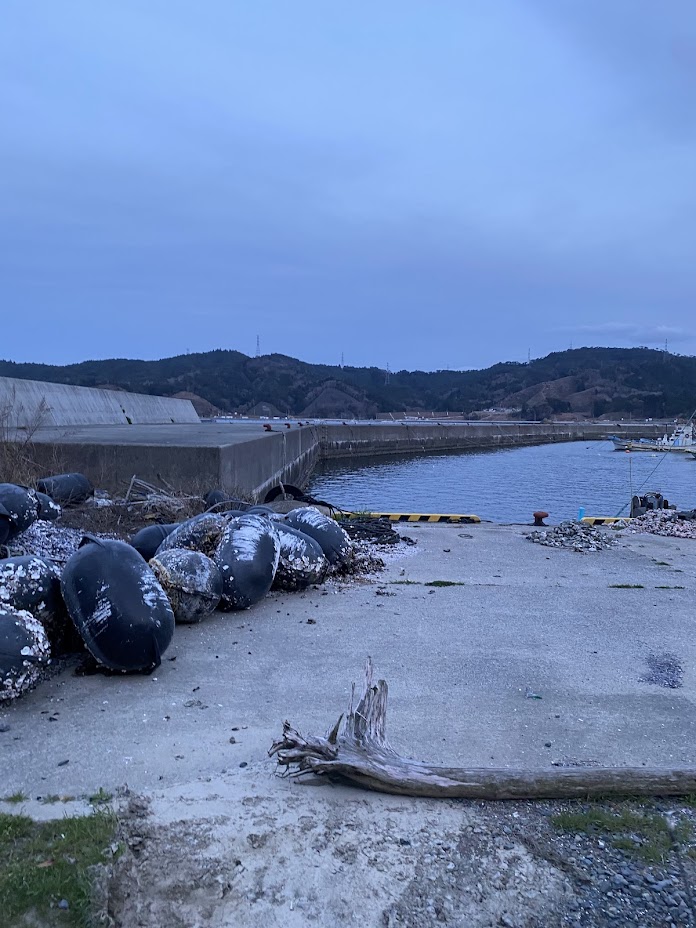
444 583
44 863
642 833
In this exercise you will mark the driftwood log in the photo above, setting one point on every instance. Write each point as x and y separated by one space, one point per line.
358 751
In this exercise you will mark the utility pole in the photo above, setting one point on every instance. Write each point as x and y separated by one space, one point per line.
258 346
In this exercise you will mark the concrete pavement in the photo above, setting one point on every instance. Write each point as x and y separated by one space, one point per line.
459 661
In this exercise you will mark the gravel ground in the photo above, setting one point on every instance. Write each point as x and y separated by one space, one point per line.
646 881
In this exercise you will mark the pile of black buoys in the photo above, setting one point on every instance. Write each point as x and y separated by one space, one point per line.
121 600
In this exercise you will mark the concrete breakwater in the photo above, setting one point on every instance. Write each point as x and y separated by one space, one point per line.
364 439
242 457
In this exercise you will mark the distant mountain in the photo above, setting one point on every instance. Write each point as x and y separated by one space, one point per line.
585 382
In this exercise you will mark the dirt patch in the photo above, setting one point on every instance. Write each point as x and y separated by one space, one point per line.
253 850
325 856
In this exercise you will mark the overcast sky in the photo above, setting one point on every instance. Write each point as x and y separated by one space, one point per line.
423 183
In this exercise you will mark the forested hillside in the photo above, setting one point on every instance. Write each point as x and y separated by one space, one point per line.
589 382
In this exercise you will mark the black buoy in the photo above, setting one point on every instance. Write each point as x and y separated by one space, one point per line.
333 540
24 651
66 489
247 557
191 581
117 605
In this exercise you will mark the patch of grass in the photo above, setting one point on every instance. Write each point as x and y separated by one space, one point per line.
16 798
42 863
50 800
444 583
626 586
670 587
405 582
642 833
100 797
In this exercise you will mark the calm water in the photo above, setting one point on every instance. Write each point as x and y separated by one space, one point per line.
509 484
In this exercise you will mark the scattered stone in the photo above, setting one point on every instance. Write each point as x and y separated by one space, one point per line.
576 536
665 670
665 522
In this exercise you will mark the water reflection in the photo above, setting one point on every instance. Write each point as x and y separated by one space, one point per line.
506 485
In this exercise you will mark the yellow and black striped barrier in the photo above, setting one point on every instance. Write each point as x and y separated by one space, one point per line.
603 520
414 516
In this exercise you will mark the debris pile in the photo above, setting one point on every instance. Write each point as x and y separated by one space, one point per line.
661 522
576 536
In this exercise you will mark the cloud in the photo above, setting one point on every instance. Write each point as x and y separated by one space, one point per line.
638 334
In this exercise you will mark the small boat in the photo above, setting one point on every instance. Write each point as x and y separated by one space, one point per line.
681 440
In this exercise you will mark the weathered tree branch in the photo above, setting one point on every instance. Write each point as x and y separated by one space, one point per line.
359 752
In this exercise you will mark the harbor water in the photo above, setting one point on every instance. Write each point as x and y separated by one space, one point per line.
508 484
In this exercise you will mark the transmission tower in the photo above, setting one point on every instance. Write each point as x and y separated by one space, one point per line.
258 346
387 374
342 359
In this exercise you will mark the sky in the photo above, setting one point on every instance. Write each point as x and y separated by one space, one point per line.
433 184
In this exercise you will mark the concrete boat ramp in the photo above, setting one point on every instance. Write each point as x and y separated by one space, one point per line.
460 662
605 639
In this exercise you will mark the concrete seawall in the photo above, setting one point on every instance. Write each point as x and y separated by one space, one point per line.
34 404
242 458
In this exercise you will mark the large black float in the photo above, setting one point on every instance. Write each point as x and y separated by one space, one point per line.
301 560
32 584
192 582
148 539
247 557
201 533
24 651
117 605
19 508
333 540
66 489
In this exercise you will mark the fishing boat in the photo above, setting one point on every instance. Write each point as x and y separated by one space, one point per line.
681 440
